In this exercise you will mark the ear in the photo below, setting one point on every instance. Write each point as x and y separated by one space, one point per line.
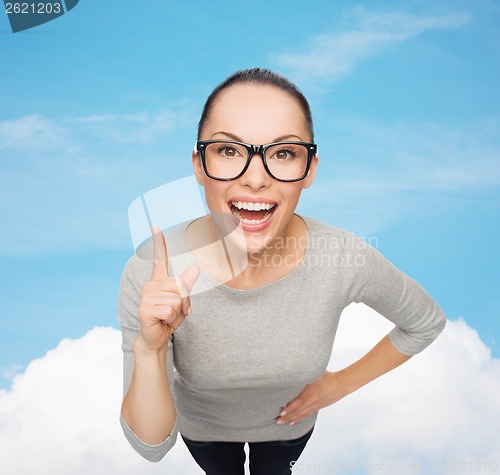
308 180
197 166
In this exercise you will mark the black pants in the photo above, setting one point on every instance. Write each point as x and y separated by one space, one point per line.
266 458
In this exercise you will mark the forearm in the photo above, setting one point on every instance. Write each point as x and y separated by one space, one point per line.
383 357
148 407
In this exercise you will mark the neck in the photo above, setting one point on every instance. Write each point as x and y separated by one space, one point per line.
227 260
278 257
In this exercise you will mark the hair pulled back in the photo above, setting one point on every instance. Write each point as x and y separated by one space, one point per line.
258 76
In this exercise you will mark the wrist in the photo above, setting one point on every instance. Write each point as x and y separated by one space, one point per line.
343 382
143 350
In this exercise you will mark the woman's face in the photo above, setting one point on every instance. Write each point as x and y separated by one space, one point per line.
255 114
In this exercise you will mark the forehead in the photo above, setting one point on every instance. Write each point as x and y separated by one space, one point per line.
256 113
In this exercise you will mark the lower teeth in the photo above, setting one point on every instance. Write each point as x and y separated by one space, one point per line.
236 212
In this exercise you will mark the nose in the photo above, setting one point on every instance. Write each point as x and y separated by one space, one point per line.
256 176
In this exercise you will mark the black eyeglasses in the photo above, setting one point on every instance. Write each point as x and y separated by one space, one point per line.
227 160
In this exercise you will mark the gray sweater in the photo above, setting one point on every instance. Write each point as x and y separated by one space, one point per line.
242 355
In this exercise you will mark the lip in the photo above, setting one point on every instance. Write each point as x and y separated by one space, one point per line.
253 228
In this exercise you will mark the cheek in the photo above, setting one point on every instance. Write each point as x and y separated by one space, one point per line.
291 194
214 191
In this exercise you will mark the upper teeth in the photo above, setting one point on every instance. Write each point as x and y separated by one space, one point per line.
252 206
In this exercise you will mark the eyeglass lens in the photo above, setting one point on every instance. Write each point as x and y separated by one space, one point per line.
285 161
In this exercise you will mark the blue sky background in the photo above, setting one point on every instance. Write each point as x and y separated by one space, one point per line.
101 105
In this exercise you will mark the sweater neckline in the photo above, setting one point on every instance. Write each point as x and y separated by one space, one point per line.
299 268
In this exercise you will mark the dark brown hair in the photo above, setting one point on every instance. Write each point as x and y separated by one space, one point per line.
263 77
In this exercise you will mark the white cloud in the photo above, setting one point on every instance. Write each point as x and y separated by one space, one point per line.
10 371
139 117
441 408
419 156
37 134
330 57
139 127
396 170
67 182
33 133
61 415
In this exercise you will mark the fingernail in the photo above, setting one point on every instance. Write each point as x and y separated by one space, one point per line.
291 423
280 422
189 310
283 413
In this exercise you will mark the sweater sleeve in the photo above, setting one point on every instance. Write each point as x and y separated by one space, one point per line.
368 277
134 276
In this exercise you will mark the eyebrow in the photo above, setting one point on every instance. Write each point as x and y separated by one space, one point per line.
239 139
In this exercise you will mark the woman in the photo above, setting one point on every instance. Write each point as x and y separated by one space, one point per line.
251 357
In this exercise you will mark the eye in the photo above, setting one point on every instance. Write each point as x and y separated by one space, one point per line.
227 151
284 154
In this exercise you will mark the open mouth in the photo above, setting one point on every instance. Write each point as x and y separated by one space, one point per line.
252 213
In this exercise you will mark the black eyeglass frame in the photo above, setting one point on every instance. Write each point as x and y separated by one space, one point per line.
252 150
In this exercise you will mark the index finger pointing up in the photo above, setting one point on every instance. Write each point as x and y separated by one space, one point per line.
160 256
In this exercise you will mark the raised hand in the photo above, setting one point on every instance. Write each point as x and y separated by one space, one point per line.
165 300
